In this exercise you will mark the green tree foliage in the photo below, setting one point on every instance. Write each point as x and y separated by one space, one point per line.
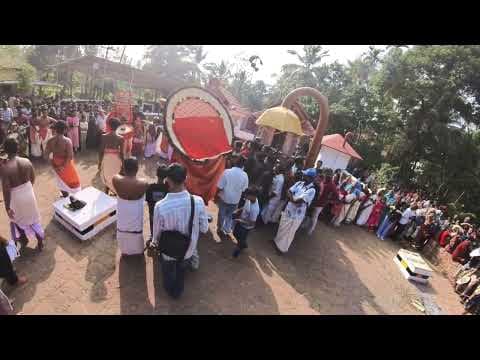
180 62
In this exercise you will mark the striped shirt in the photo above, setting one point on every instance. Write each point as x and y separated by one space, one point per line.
172 213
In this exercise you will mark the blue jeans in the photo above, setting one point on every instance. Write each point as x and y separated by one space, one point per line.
241 234
174 275
386 230
225 213
382 226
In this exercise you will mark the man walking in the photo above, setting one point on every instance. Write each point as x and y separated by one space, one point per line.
130 203
299 196
232 184
18 177
173 214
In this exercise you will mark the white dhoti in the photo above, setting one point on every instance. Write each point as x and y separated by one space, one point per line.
130 226
111 166
150 149
352 213
278 211
286 231
268 211
35 144
343 214
26 214
364 215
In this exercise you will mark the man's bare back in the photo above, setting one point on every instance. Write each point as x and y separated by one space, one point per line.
18 171
129 187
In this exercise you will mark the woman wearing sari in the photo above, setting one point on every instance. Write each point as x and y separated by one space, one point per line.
377 210
110 155
365 208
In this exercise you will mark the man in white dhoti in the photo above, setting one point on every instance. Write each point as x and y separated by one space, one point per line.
275 195
300 195
130 192
18 177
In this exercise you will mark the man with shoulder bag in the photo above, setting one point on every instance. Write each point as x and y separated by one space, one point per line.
178 220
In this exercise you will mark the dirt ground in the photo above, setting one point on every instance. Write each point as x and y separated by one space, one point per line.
336 271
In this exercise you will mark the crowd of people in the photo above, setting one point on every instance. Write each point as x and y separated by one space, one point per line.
260 185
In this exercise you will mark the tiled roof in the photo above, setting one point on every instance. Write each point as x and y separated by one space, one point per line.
337 142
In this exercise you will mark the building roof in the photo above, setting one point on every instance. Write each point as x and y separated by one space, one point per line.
123 72
338 142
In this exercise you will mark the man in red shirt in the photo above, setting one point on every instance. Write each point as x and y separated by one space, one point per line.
327 194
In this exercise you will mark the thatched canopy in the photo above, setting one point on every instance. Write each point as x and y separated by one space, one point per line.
91 65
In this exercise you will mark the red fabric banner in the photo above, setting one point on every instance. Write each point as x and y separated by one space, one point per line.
202 178
201 136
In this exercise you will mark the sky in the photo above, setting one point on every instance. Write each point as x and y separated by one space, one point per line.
273 56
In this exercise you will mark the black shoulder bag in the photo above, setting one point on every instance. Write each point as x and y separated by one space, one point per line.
175 244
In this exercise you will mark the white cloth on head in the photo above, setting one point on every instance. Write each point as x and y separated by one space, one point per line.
130 225
269 210
24 205
232 184
172 213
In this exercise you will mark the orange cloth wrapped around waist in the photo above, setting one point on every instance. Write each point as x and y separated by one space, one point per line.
68 174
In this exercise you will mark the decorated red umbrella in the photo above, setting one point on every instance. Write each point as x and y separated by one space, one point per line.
200 129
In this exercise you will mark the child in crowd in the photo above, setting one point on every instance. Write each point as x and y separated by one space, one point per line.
246 217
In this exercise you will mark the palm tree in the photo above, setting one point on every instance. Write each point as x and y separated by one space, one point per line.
305 71
218 71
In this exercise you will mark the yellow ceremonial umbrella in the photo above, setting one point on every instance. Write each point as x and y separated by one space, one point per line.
282 119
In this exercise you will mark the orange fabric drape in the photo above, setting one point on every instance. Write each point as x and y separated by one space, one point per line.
202 179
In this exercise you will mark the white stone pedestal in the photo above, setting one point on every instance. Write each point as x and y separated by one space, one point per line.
100 212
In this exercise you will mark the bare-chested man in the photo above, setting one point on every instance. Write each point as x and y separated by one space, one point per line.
61 147
131 198
41 132
110 155
18 177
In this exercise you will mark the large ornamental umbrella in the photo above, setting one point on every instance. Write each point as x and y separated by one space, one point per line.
282 119
198 125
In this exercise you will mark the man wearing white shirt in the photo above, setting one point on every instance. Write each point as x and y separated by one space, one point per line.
6 117
407 216
172 213
300 196
100 120
232 184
